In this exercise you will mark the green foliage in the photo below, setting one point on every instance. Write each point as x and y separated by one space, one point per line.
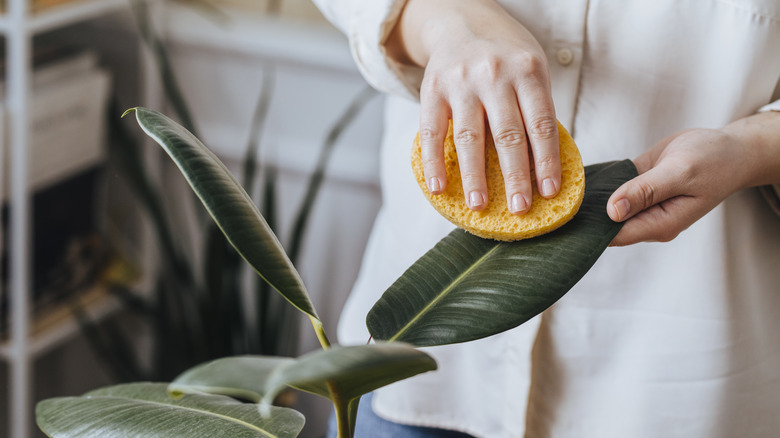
342 374
146 410
244 377
425 306
229 205
467 288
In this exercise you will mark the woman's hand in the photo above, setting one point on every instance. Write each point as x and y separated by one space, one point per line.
481 67
686 175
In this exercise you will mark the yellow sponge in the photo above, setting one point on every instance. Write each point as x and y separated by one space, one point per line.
496 221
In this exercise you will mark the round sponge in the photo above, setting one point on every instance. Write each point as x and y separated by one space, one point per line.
496 221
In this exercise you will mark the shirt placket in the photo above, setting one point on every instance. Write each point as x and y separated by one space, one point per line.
564 52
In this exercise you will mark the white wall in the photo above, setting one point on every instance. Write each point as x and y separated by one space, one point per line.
221 68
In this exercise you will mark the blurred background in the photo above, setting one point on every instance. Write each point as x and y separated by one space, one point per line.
111 269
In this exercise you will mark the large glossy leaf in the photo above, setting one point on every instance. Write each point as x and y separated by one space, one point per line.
244 377
351 371
229 205
145 410
468 288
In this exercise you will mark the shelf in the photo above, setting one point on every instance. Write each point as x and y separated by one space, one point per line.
58 324
65 14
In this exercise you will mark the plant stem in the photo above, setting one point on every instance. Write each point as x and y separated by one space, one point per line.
342 412
319 330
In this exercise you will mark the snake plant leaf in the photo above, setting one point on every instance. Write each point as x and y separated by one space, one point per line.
468 288
350 371
230 206
146 410
243 377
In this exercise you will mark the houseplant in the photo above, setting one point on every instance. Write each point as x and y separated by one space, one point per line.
196 309
409 311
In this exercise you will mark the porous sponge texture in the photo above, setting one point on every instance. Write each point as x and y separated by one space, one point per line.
496 221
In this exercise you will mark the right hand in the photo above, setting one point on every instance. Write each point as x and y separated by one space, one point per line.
481 65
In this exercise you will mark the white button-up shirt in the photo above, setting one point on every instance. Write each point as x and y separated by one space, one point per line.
680 339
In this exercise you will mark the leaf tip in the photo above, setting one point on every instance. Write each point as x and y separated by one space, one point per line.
175 394
129 111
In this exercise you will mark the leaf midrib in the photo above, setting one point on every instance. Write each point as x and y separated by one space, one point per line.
443 293
213 414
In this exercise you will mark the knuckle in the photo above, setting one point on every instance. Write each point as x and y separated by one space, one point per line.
543 128
430 163
431 83
647 193
470 178
509 138
427 133
490 68
459 71
534 66
466 137
518 179
545 161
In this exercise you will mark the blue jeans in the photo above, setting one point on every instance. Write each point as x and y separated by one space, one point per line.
370 425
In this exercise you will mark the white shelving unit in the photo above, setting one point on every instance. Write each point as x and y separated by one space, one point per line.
24 345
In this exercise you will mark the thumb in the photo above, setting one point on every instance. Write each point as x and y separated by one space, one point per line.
650 188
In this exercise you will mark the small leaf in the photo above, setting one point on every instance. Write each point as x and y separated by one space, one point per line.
229 205
145 410
468 288
240 376
353 370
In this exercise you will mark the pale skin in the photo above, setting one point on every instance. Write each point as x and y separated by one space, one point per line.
481 65
484 68
687 174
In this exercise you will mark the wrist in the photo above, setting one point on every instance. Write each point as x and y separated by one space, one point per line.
759 139
425 25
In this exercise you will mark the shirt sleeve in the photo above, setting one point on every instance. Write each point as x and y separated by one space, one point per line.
772 193
367 24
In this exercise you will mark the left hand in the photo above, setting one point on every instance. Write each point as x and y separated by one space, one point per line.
681 179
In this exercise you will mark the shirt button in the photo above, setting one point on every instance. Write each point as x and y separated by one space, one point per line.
565 56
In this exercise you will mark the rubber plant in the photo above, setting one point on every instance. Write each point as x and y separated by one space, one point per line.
465 288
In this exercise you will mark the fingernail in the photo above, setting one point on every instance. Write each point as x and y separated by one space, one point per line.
622 208
519 203
548 187
434 185
476 199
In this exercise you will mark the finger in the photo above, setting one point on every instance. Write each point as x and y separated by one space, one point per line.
468 132
646 190
660 223
434 124
506 126
538 113
646 160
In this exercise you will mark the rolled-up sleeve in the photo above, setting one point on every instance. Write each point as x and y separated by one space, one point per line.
774 106
367 24
772 193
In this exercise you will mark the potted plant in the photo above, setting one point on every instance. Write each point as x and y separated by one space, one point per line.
233 396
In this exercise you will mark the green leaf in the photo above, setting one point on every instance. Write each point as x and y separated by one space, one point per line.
229 205
468 288
145 410
351 371
240 376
